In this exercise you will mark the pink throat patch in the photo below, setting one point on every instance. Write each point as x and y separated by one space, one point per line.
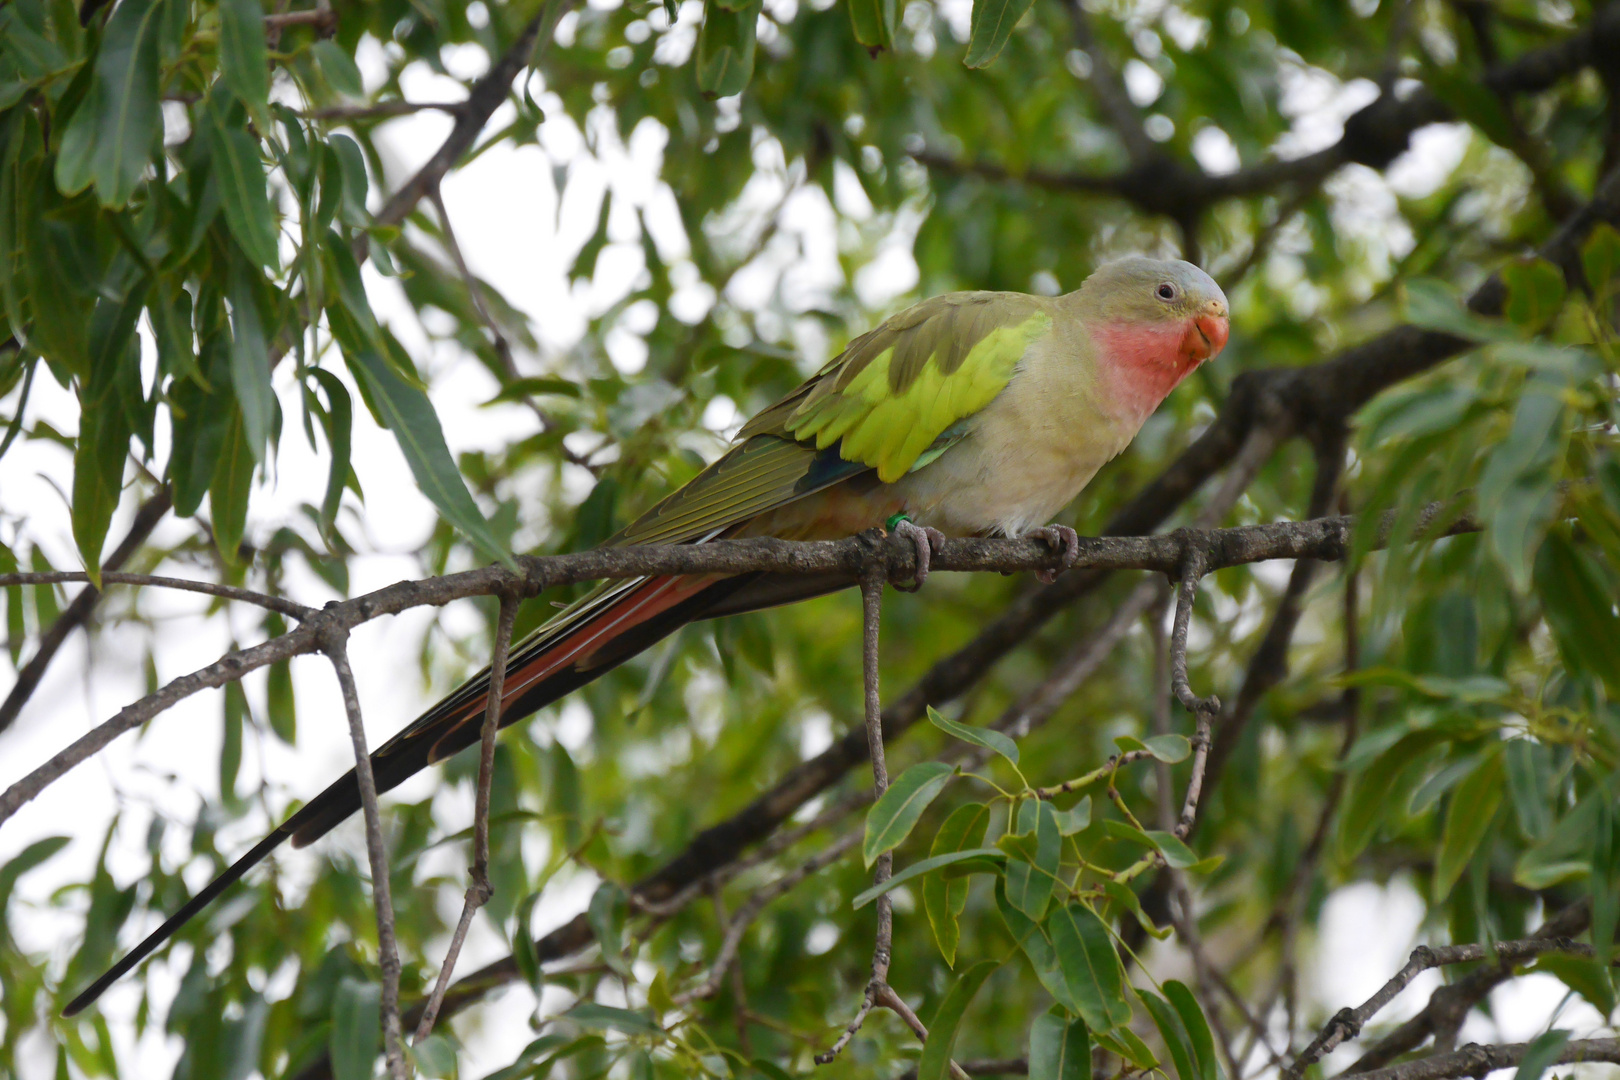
1143 362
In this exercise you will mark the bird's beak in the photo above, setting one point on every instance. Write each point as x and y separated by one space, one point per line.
1206 335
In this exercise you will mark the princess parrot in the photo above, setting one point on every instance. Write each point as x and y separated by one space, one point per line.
969 414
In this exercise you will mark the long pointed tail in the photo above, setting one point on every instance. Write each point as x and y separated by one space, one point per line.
609 626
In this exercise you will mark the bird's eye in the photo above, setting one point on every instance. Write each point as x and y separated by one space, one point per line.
1166 291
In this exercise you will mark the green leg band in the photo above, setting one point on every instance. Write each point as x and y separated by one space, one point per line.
895 519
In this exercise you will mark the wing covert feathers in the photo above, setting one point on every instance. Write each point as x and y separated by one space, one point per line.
886 398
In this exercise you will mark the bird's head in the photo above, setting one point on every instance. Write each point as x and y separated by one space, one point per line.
1172 306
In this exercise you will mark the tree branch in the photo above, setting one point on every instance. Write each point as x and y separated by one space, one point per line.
1475 1060
482 101
334 645
882 949
1373 136
1109 89
77 613
1450 1004
280 604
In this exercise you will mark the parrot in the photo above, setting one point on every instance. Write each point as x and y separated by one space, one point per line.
967 414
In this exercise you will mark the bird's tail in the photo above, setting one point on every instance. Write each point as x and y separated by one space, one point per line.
611 624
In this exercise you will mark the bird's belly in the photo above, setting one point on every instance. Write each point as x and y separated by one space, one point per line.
1004 486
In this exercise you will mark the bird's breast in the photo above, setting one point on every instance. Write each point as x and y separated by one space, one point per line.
1028 454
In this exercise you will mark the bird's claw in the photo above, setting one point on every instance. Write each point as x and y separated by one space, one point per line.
926 541
1063 540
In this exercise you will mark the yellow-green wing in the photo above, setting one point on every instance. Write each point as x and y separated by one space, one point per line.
887 398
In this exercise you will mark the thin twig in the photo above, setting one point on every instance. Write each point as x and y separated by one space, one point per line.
1450 1004
382 110
479 890
499 342
1109 89
897 1005
334 644
475 288
483 99
750 909
78 610
1347 1023
279 604
871 616
1476 1060
322 18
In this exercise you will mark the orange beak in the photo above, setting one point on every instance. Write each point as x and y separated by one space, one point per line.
1206 335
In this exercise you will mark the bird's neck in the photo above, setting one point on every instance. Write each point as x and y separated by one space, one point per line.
1140 363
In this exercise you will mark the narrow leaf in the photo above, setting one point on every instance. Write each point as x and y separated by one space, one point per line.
112 134
988 858
1032 939
993 22
1600 258
250 362
229 491
1176 853
356 1029
892 818
590 1014
406 412
944 900
1090 966
1473 808
1171 1033
241 177
1029 885
1075 818
1170 749
935 1063
1535 291
342 74
873 23
1059 1049
725 49
988 738
1197 1028
1541 1054
243 57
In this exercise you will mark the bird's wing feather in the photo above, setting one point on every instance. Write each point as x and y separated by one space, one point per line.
886 399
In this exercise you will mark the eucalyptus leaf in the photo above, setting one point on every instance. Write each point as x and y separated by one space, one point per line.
893 816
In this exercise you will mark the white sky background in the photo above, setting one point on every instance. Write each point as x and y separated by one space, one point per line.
504 210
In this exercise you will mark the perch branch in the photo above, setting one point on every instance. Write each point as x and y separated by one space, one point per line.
1322 538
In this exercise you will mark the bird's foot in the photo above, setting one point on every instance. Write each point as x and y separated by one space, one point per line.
924 539
1065 541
